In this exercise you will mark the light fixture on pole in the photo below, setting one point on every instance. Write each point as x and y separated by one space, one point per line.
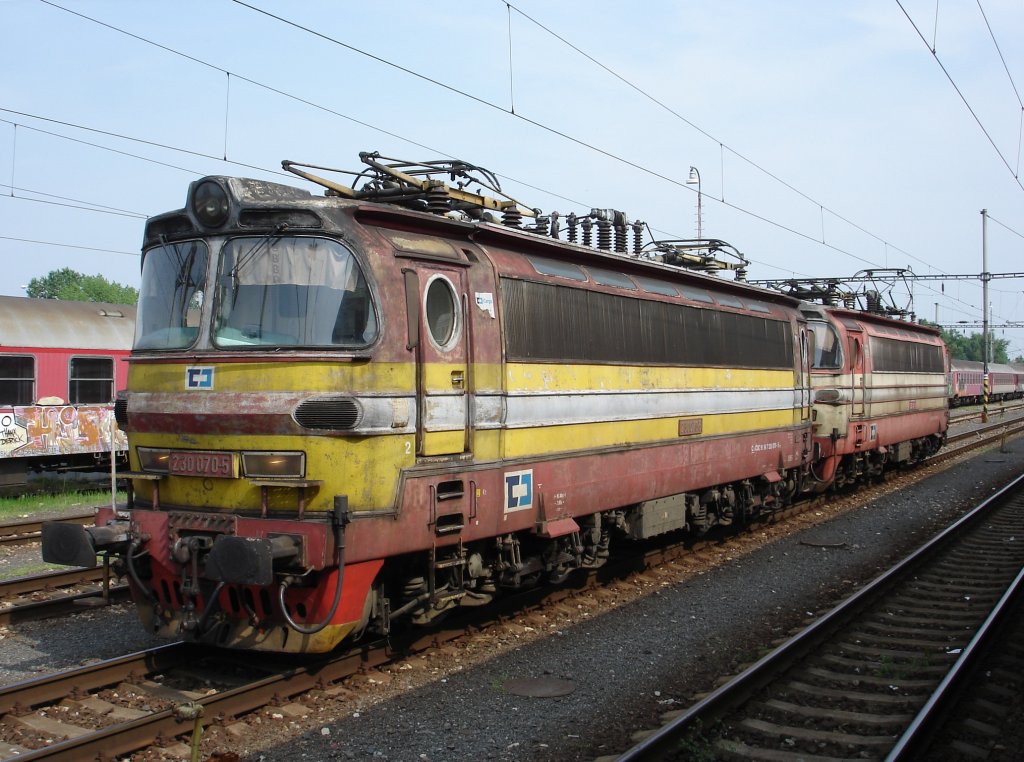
694 179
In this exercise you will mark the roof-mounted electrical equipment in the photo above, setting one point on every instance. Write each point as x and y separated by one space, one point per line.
464 191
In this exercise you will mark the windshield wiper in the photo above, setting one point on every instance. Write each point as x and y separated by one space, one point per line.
257 247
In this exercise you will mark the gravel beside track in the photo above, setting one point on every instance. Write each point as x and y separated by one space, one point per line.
638 661
627 666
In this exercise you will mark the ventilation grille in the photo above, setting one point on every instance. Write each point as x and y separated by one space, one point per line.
328 413
121 412
267 218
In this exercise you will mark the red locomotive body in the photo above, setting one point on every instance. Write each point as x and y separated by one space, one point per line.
880 392
343 412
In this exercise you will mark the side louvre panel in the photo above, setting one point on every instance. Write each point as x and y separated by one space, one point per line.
329 413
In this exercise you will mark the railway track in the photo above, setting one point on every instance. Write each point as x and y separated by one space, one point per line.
965 441
72 715
963 415
147 699
166 696
119 706
30 530
873 678
58 593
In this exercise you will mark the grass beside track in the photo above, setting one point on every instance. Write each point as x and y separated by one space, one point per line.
54 495
47 498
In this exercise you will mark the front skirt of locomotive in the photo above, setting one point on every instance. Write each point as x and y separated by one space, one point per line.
210 578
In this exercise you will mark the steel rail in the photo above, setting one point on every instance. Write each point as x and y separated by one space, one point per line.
131 736
923 727
51 580
17 532
736 691
63 605
23 696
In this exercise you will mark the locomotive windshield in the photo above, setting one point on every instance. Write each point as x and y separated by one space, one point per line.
827 348
171 296
291 291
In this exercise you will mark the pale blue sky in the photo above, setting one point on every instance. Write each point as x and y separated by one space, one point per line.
843 102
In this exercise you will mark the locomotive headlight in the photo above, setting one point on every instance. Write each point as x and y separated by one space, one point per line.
274 464
210 204
154 460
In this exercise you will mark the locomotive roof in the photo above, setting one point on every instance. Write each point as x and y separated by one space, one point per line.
885 324
57 324
251 194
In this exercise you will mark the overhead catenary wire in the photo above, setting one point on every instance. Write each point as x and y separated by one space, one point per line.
963 97
735 207
576 140
73 203
1004 225
380 129
722 146
68 245
1016 92
540 125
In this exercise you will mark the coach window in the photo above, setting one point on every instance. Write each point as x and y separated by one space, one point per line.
441 306
17 380
90 380
827 352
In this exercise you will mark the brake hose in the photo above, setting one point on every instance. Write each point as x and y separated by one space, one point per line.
340 519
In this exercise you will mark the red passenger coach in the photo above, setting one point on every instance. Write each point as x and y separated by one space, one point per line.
966 382
60 367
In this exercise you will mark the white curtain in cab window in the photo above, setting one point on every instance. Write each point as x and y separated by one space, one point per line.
293 261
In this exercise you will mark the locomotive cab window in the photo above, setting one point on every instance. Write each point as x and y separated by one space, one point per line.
171 296
827 348
17 380
441 307
90 380
291 291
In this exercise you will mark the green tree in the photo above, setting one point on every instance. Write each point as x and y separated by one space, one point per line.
72 286
963 347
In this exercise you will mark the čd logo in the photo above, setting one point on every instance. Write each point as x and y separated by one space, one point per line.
198 378
518 490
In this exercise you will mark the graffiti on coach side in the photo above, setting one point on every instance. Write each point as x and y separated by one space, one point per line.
58 430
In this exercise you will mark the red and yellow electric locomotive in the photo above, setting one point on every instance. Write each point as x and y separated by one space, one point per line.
880 393
381 403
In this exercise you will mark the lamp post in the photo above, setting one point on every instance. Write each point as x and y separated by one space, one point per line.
694 179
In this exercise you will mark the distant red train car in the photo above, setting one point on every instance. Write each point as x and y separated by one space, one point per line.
61 364
1005 382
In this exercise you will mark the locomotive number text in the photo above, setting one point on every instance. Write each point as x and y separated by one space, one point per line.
216 464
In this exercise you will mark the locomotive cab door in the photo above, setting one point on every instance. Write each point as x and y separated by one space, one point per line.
439 337
858 380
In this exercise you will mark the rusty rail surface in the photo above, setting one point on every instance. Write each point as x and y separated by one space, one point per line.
41 596
29 530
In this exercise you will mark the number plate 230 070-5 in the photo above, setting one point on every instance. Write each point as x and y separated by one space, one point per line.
222 465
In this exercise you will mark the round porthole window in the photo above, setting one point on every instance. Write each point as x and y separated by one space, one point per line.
442 310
